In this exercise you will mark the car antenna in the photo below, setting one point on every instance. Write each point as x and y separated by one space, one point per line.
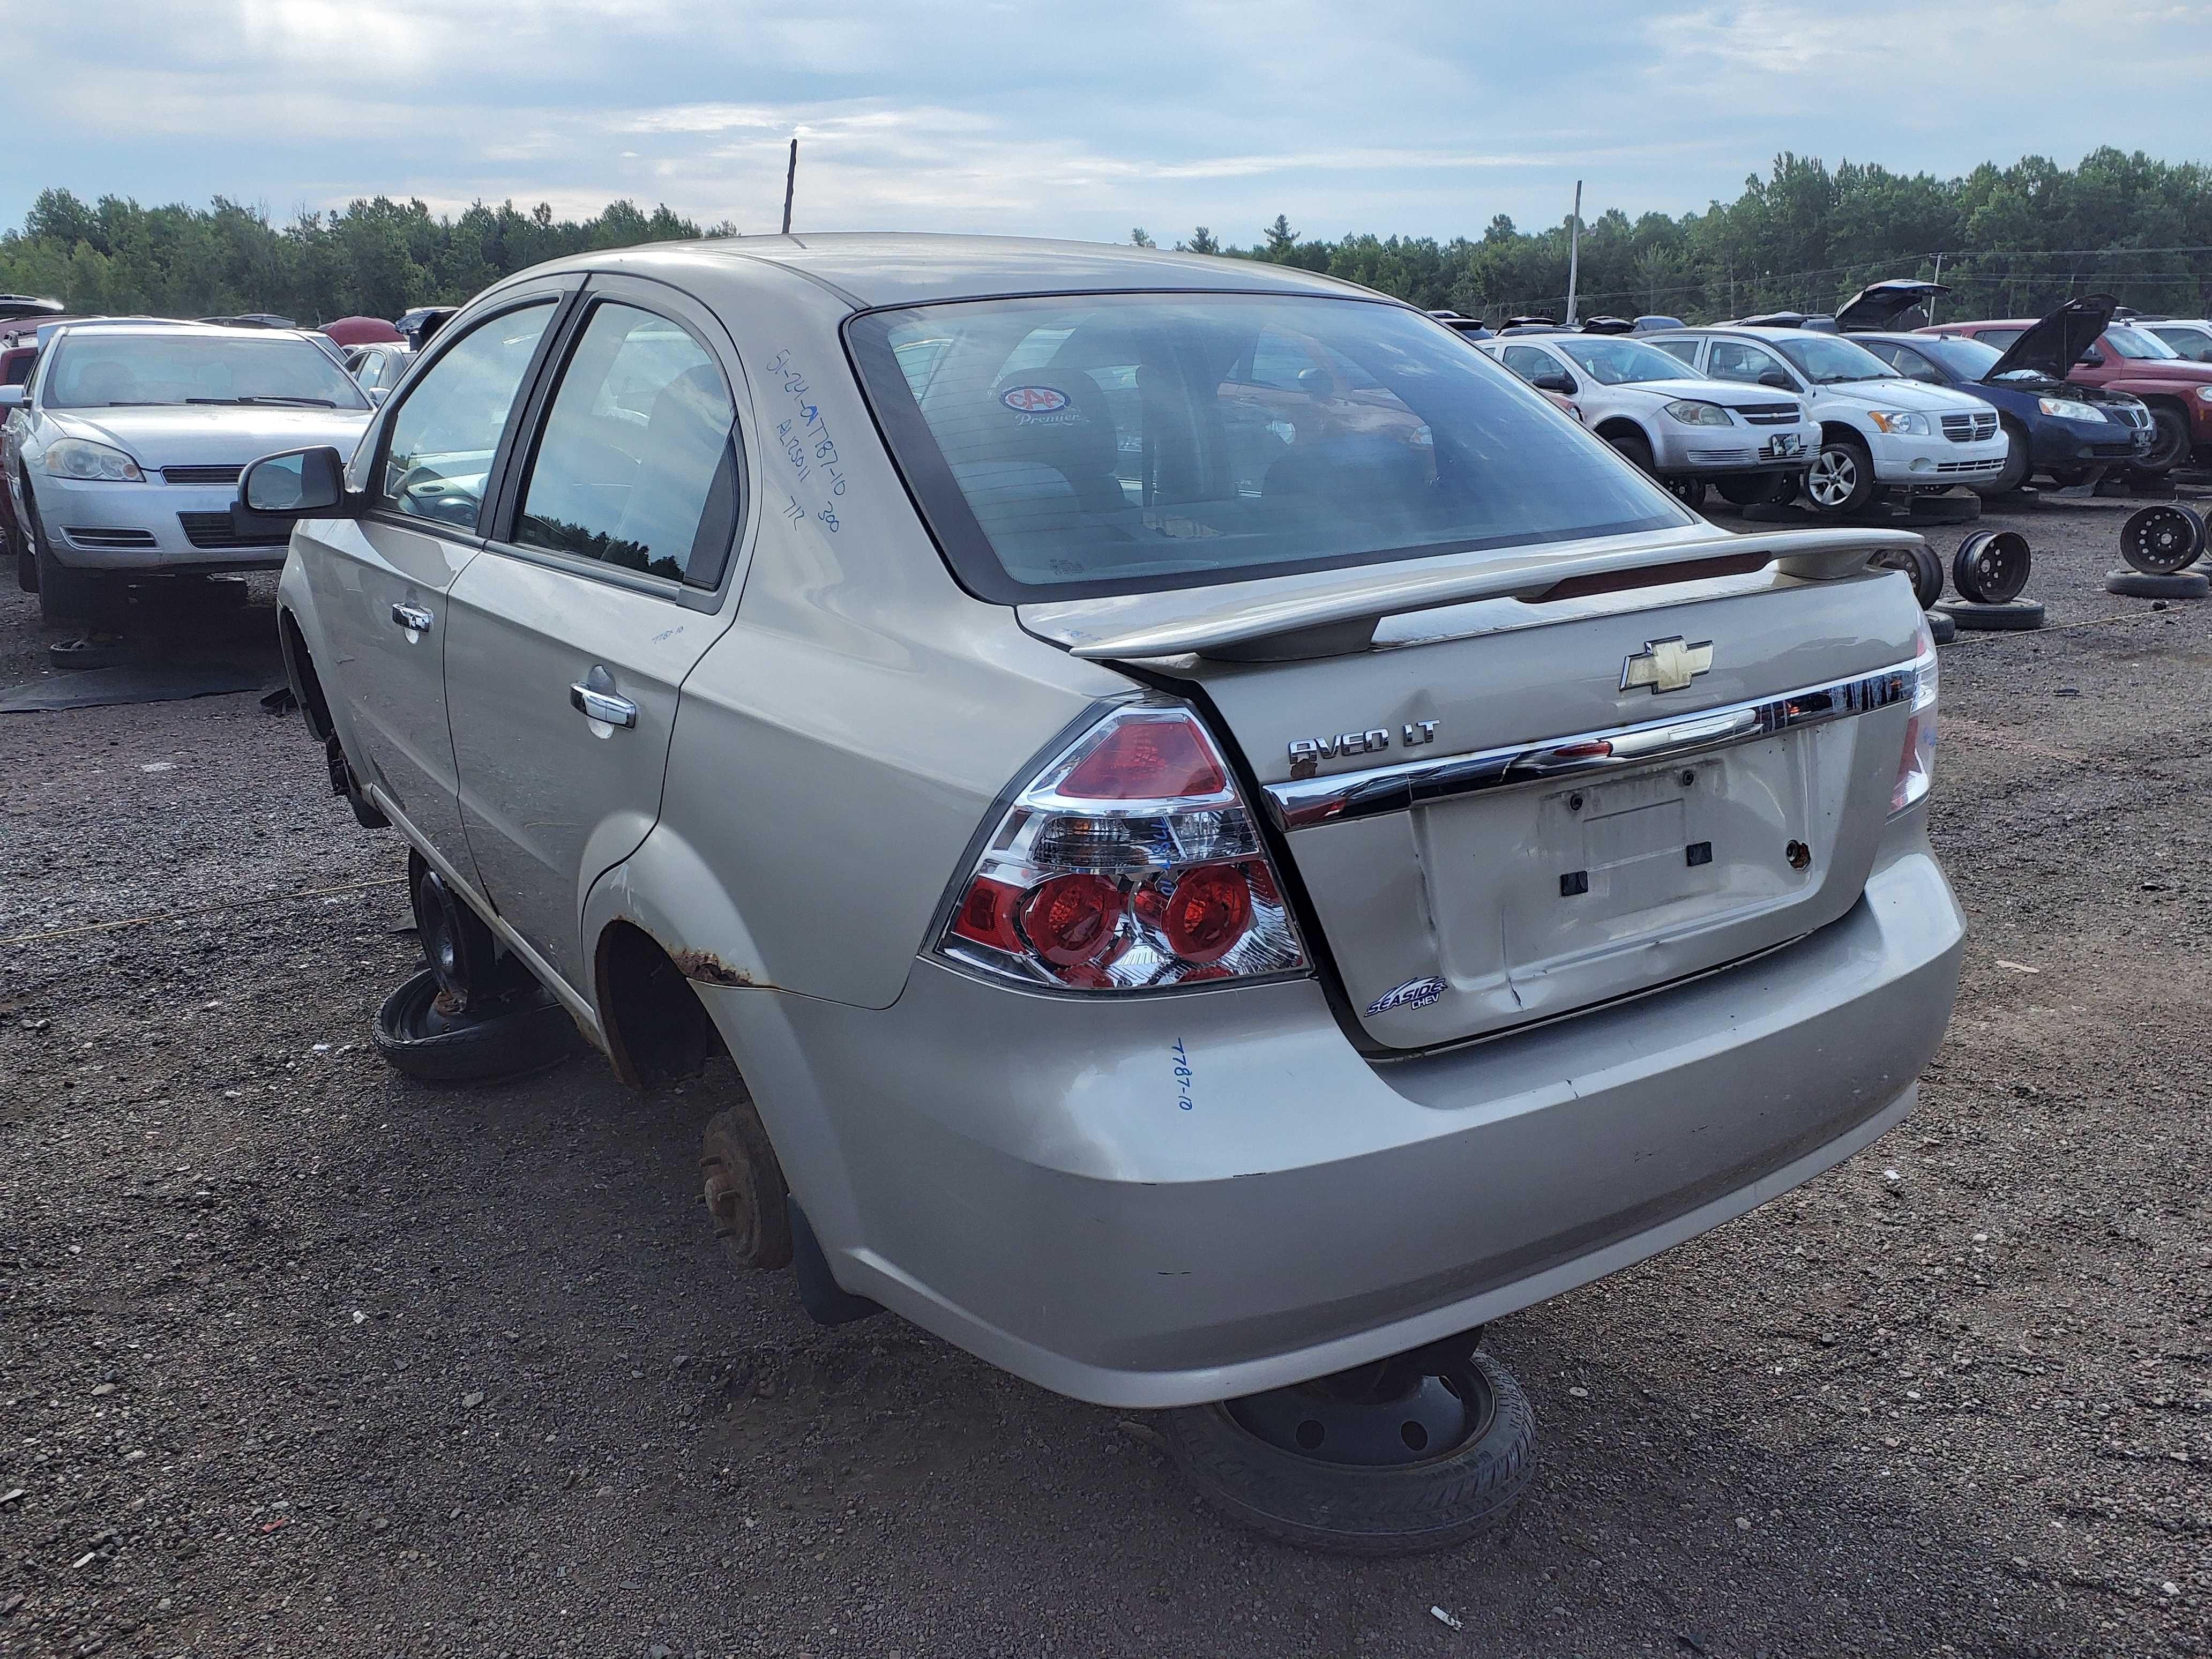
790 181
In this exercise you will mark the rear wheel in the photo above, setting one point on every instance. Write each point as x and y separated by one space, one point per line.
1841 478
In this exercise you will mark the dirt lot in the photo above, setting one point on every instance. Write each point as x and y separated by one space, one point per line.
299 1358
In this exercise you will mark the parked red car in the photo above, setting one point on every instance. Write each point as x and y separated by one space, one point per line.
2126 358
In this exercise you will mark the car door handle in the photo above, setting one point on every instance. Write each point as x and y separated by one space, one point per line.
412 618
589 700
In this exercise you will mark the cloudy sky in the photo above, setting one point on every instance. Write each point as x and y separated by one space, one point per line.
1076 119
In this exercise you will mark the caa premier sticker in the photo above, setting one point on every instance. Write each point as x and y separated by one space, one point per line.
1414 994
1033 399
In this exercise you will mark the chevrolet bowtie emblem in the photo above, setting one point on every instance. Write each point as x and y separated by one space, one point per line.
1667 665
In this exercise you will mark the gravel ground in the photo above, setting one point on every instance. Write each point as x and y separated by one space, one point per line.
298 1356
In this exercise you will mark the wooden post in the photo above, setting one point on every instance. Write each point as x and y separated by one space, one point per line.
790 181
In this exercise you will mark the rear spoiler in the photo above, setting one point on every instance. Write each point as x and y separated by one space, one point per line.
1324 613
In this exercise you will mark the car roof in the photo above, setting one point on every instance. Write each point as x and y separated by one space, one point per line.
871 269
1749 333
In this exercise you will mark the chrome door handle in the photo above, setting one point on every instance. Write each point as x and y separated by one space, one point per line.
589 700
412 618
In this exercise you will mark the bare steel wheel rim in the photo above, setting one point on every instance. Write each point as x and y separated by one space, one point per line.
1834 475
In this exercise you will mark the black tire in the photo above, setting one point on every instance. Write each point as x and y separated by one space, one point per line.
420 1034
1841 480
2161 539
2171 585
1941 628
457 945
1632 448
65 596
1918 563
744 1189
2169 446
1361 1509
2014 471
1758 488
2019 617
1991 567
1691 492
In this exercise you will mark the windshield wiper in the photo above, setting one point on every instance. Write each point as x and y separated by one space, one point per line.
269 397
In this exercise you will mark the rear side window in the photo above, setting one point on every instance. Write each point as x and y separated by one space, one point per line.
1685 349
1068 447
636 465
443 438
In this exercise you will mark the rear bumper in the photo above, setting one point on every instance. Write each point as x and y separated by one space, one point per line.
1019 1174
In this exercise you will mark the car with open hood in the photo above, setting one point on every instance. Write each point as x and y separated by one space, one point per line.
2053 426
1224 838
1877 429
2123 357
1753 443
121 454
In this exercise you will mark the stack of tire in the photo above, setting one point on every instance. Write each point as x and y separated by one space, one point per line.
2159 543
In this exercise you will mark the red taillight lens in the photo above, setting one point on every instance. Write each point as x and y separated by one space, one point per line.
1146 760
1070 919
1129 863
1208 912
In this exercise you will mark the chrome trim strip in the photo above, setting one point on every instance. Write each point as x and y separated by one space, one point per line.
1304 802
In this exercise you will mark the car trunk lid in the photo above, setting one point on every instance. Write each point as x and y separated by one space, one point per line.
1525 806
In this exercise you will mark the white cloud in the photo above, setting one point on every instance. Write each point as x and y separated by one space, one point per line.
1025 115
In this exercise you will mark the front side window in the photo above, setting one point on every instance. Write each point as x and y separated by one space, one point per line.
636 465
1906 361
1528 362
2134 343
1827 361
1067 446
110 369
1740 360
2194 343
444 436
1623 362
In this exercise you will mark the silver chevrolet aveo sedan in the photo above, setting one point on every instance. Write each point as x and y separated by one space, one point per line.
1226 839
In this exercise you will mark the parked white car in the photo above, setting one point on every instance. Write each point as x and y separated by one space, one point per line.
121 456
2191 336
1877 429
1753 443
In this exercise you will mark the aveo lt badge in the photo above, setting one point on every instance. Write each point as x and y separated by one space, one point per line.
1306 752
1667 665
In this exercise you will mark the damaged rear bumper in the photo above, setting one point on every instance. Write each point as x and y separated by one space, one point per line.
1026 1176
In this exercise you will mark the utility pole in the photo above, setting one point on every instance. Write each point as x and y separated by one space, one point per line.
790 181
1574 249
1932 298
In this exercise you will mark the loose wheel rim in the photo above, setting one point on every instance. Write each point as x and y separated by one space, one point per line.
1834 476
1992 567
2160 540
439 930
1401 1411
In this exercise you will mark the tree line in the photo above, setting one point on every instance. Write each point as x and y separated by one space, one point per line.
2013 241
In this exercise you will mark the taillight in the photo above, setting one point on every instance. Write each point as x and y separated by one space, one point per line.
1916 766
1129 863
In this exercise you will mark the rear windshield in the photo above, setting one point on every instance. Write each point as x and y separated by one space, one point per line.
1069 446
99 368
